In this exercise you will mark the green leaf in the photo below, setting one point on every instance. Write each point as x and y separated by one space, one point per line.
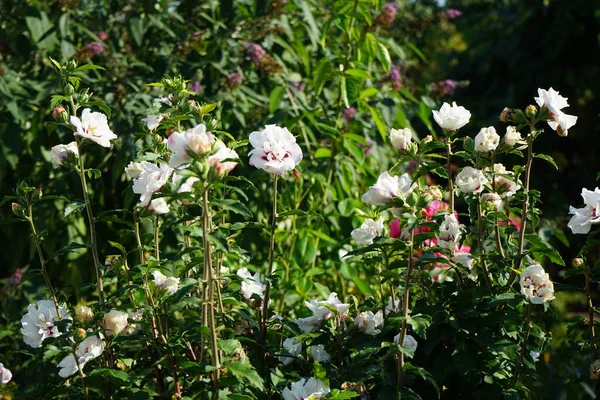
233 206
369 92
101 105
87 67
359 73
322 153
363 285
384 57
245 371
547 158
379 122
117 377
355 150
344 91
56 63
336 394
539 247
74 207
275 99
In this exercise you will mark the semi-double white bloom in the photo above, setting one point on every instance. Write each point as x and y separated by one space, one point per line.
321 312
114 322
93 126
583 218
274 149
513 138
536 284
87 350
554 102
39 322
451 118
311 389
159 206
153 121
505 186
487 140
401 138
449 232
150 180
392 306
470 180
195 140
387 188
368 323
134 169
409 342
5 375
84 313
368 231
61 152
293 348
169 284
251 284
318 353
217 160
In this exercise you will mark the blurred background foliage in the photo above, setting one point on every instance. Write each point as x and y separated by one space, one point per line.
483 54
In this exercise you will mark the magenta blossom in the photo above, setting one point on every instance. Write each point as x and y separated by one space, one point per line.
95 48
102 35
234 80
255 52
349 113
452 13
388 14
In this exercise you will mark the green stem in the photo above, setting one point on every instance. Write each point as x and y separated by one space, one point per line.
42 260
524 210
449 172
81 375
265 310
156 238
210 304
405 304
523 348
90 215
588 291
486 274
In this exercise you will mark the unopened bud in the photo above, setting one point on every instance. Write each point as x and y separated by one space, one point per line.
69 90
57 113
296 174
506 115
84 313
561 132
492 201
531 111
80 334
72 65
577 262
18 210
37 194
427 139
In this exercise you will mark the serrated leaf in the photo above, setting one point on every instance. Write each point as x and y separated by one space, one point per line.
73 207
547 158
87 67
245 371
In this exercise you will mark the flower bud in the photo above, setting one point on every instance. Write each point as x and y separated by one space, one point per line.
427 139
57 113
72 65
84 313
69 90
506 115
37 194
492 201
577 262
80 334
531 111
18 210
434 193
114 322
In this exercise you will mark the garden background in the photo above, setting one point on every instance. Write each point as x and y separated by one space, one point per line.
485 55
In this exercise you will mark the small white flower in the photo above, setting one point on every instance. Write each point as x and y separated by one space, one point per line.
217 160
84 313
388 187
494 200
159 206
318 353
168 284
409 342
368 231
367 322
513 138
61 153
451 118
39 322
311 389
150 180
486 140
441 274
196 140
554 102
87 350
535 356
392 307
93 126
183 184
163 100
132 328
321 312
505 186
134 169
584 218
251 284
470 180
153 121
293 348
274 149
449 232
114 322
463 259
536 284
5 375
401 138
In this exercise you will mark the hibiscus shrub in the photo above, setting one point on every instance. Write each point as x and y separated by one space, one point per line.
237 273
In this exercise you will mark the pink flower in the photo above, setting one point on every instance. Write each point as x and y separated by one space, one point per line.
255 52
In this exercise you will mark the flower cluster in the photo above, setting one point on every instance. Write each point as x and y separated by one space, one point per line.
322 311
